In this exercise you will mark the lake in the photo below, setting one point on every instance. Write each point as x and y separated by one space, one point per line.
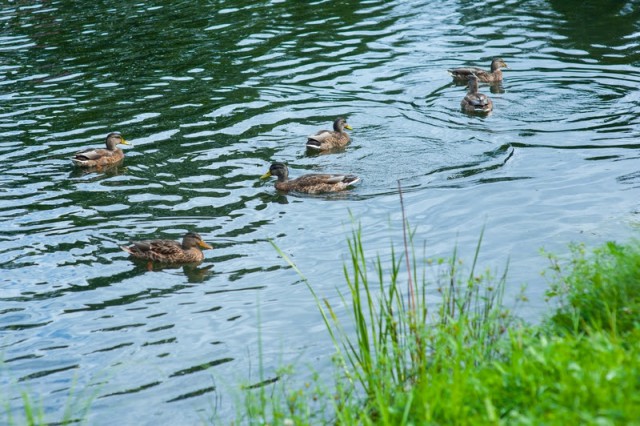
209 93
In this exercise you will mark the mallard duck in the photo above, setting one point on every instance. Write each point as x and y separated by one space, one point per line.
461 74
169 251
311 183
326 139
97 157
475 101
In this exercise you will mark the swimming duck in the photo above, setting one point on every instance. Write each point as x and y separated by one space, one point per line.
97 157
311 183
169 251
325 139
475 101
461 74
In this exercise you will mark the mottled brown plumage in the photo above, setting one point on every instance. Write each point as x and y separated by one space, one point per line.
99 157
326 139
311 183
169 251
462 74
475 101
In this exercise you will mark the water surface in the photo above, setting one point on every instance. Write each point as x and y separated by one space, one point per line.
210 93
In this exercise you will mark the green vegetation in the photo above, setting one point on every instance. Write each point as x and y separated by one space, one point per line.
471 361
601 292
76 408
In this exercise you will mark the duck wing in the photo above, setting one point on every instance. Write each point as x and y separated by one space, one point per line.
92 154
464 73
321 135
162 248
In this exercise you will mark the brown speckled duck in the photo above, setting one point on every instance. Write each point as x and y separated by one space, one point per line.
169 251
461 74
475 101
326 139
99 157
311 183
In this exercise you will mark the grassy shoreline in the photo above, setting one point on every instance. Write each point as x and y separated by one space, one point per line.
470 361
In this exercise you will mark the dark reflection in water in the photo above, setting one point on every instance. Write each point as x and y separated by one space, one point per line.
112 170
210 93
194 272
600 27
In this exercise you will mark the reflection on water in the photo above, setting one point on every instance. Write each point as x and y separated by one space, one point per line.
110 170
194 272
211 94
602 29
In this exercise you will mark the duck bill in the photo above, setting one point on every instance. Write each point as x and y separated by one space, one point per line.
204 245
125 142
266 175
348 127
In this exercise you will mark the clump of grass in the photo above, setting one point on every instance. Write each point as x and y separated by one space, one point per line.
398 338
32 412
597 291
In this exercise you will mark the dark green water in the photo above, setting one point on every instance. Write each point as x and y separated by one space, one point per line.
209 93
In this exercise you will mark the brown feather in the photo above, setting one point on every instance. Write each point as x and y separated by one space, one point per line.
327 139
311 183
474 101
99 157
169 251
462 74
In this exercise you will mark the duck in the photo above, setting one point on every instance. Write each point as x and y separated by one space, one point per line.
169 251
326 139
475 101
461 74
99 157
311 183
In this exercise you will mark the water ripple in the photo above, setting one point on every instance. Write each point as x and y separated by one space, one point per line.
229 88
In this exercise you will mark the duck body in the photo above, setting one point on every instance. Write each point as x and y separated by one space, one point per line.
474 101
169 251
462 74
315 183
327 139
100 157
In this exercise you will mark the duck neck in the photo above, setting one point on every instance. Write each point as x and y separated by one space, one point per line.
473 86
283 177
112 145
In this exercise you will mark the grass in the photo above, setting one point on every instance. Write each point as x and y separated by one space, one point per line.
599 291
467 360
32 412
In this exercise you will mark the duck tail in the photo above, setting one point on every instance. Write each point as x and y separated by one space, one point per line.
351 179
313 144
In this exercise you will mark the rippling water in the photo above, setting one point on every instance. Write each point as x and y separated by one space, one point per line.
210 93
